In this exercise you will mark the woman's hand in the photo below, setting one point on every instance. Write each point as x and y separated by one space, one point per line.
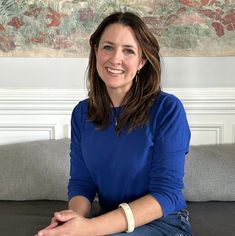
68 223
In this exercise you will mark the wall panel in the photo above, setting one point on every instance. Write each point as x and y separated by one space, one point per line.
35 114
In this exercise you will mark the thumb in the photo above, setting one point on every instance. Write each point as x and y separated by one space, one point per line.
65 215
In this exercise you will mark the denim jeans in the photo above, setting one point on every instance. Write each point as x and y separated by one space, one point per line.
175 224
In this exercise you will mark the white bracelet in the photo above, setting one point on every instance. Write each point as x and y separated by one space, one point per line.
129 216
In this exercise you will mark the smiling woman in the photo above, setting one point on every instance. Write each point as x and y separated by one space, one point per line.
119 58
123 44
128 141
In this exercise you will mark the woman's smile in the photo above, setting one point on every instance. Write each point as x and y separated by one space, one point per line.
114 71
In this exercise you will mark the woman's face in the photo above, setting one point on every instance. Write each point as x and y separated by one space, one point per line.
118 56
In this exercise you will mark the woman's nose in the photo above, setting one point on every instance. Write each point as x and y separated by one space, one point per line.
117 57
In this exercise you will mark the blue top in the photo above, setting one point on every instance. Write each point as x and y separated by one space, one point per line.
148 160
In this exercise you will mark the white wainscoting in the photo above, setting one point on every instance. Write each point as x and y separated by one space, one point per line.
39 114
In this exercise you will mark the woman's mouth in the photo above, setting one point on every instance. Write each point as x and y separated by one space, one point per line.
114 71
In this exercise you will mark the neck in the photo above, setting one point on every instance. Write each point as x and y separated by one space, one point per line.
116 99
116 102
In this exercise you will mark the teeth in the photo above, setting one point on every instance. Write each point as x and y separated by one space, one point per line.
115 71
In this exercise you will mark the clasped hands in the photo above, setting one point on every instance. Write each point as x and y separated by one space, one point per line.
69 223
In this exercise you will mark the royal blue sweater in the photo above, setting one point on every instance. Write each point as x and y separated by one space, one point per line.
148 160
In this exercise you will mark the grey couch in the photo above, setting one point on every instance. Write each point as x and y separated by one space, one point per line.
34 175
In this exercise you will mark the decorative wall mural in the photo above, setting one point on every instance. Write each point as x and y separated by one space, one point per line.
61 28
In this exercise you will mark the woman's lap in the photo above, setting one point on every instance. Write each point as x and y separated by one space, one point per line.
175 224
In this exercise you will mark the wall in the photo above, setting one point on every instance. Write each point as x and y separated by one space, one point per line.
180 72
37 96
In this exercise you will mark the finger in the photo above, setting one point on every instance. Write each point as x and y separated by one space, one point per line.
53 223
65 212
64 216
60 230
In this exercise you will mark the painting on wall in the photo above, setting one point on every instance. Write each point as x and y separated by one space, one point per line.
61 28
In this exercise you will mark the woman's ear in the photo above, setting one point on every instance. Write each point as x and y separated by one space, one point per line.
142 63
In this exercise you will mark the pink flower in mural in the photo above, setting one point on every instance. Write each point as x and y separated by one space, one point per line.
1 28
151 20
16 22
61 42
157 25
195 3
181 10
6 43
38 39
33 13
231 27
86 14
207 2
221 22
229 20
170 19
55 18
216 15
219 28
189 19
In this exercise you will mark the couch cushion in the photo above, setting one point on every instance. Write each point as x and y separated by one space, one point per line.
212 218
34 170
26 218
210 173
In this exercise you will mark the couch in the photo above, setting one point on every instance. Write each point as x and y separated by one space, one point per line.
34 175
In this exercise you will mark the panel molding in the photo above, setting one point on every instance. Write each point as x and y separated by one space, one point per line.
206 100
67 130
233 133
217 128
39 101
209 110
27 132
61 101
50 128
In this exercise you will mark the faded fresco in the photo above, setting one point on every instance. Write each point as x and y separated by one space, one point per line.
61 28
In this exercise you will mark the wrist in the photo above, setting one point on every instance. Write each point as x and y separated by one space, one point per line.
94 227
81 205
129 217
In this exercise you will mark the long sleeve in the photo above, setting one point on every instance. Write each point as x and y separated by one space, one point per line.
171 144
80 182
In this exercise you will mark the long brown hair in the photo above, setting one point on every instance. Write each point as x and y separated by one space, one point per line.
139 99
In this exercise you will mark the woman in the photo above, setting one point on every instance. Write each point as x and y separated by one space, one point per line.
128 141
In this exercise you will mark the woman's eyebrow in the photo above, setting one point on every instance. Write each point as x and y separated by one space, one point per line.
108 42
124 45
129 46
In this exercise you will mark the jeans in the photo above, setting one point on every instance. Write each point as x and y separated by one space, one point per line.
175 224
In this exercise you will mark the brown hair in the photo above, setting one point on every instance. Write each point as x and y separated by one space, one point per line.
139 99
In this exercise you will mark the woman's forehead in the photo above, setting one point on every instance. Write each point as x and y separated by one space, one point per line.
119 34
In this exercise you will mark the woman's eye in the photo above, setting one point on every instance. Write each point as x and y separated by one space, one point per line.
129 51
107 47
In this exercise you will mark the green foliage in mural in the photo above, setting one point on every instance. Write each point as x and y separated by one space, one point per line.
11 7
63 27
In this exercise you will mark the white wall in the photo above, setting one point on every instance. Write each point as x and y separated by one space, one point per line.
35 114
53 73
37 96
198 72
61 73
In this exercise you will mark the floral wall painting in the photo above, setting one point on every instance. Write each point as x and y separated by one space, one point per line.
61 28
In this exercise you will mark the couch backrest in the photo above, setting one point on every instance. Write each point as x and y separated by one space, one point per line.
210 173
40 170
34 170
